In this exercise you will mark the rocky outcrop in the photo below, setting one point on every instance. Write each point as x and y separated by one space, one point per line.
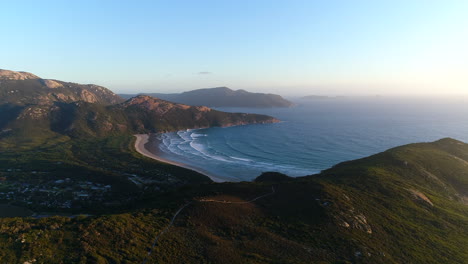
350 219
155 105
14 75
345 215
88 96
52 84
35 112
25 89
419 196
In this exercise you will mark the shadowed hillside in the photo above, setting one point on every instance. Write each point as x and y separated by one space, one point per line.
405 205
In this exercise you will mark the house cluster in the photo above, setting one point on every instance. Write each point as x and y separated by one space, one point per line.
59 193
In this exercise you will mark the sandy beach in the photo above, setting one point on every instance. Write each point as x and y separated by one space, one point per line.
141 145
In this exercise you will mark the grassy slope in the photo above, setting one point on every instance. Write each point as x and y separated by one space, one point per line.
303 222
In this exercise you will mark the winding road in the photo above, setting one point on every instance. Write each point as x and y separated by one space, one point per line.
228 202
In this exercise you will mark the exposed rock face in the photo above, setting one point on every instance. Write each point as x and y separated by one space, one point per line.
25 89
102 94
419 196
360 222
61 97
34 112
346 216
203 108
352 220
14 75
52 84
157 105
89 97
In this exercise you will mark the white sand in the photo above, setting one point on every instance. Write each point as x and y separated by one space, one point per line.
142 139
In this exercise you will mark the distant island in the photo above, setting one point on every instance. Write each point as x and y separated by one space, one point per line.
222 97
320 97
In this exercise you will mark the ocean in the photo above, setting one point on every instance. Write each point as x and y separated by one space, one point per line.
315 135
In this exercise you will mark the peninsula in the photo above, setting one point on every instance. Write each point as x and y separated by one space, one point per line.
223 97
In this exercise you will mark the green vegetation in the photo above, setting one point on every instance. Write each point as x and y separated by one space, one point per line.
405 205
69 147
148 114
69 156
142 114
93 162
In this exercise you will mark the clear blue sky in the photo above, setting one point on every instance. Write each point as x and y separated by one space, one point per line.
288 47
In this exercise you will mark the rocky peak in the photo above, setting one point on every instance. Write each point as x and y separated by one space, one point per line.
152 103
24 88
142 98
14 75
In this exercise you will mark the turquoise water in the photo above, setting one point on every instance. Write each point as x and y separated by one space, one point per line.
317 134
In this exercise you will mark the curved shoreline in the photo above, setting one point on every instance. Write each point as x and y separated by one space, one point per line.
141 147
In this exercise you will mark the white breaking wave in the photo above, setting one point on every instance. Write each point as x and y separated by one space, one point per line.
195 135
202 149
242 159
191 146
185 135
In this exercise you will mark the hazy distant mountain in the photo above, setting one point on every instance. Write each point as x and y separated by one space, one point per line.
320 97
223 97
314 97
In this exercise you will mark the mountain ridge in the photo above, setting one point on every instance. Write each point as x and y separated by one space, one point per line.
52 106
23 88
223 97
16 75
